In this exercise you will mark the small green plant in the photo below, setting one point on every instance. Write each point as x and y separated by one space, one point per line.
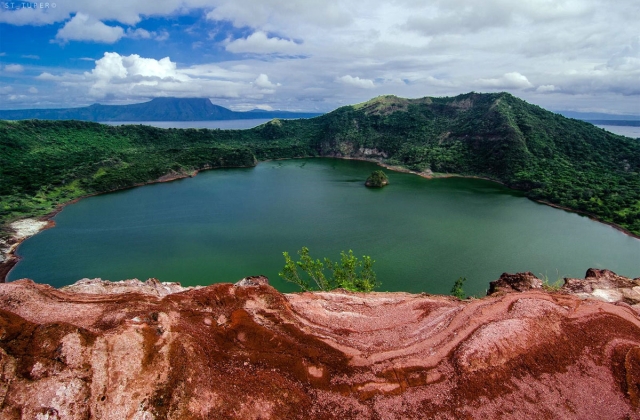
456 290
551 287
349 273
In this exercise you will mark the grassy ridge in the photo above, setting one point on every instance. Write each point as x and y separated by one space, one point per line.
566 162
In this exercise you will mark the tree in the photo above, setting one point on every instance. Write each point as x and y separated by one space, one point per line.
456 290
377 179
349 273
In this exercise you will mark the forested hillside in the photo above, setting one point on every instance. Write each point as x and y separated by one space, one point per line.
498 136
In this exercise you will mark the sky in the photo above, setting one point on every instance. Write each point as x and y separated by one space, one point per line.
573 55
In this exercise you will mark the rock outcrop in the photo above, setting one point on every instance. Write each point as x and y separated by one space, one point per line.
605 285
154 351
519 282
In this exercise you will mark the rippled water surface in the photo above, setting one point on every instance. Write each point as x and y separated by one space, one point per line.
226 224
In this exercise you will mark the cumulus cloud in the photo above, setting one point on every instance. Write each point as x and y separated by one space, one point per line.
262 82
31 56
570 48
356 81
513 80
14 68
121 77
128 73
86 28
33 90
260 43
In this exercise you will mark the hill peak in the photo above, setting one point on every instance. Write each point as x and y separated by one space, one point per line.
171 99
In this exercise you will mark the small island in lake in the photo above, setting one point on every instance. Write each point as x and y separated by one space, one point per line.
377 179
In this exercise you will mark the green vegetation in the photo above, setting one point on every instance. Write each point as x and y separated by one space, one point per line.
565 162
377 179
349 274
457 290
551 287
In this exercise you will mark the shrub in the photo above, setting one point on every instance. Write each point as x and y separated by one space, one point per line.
349 273
456 290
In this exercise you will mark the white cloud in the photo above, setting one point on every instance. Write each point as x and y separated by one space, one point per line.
138 33
5 89
357 82
546 88
271 14
259 43
128 13
161 36
578 50
141 33
86 28
132 77
263 82
47 76
14 68
33 90
31 56
464 16
513 80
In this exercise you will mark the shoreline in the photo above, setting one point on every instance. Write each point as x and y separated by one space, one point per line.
8 248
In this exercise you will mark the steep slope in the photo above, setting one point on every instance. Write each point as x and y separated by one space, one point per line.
566 162
158 109
150 350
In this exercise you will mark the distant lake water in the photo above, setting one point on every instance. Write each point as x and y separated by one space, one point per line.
623 130
226 224
633 132
223 125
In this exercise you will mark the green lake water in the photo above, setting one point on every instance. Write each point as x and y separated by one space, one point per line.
226 224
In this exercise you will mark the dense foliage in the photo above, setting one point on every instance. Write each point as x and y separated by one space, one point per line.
377 179
349 274
562 161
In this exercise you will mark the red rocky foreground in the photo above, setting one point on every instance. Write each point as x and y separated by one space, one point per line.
133 350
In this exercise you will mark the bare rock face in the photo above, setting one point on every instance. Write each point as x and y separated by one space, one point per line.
249 352
104 287
519 282
253 281
604 285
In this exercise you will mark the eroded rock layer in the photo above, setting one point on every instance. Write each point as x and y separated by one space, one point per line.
145 351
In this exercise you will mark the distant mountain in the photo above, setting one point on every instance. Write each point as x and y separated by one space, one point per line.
158 109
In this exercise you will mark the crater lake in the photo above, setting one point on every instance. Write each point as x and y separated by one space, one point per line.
226 224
